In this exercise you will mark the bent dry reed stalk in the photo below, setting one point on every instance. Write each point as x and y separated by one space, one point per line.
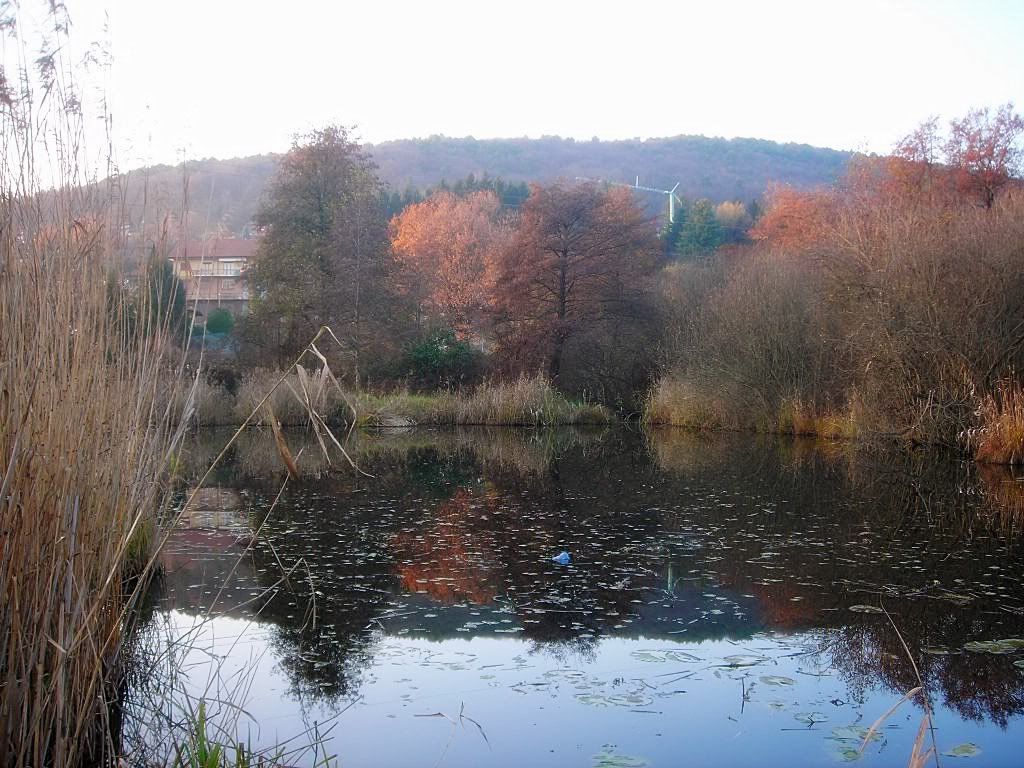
176 714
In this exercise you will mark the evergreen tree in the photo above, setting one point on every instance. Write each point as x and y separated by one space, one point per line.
700 233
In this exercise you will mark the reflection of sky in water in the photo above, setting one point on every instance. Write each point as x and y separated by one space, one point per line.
770 700
705 618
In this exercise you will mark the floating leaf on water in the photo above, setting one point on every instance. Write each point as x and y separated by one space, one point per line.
866 609
1009 645
935 650
853 733
811 717
663 655
616 700
743 661
957 599
963 750
1019 664
849 754
610 760
777 680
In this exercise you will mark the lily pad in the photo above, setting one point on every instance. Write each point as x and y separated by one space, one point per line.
628 700
811 717
853 733
610 760
658 656
777 680
1009 645
743 661
849 754
935 650
866 609
963 750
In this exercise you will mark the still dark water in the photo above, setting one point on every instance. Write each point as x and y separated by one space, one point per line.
724 603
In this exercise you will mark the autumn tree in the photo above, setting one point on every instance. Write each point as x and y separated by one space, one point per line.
985 149
447 248
324 259
575 272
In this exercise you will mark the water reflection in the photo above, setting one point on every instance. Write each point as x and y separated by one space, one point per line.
688 551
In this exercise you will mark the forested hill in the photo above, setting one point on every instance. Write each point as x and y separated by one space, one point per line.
224 194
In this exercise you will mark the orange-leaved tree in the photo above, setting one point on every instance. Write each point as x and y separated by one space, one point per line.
447 248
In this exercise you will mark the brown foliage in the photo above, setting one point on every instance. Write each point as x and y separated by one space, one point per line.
578 261
794 219
894 295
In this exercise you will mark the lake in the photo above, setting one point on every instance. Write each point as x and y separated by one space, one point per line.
729 600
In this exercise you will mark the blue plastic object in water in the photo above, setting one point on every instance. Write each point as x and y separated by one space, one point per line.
562 559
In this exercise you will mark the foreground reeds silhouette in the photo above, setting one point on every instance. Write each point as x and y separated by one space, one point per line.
91 375
84 431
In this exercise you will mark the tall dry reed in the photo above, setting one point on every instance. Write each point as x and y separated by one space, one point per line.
83 444
999 438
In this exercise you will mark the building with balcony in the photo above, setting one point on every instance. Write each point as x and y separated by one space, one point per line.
213 273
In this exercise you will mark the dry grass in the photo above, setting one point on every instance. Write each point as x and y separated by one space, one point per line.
1000 437
674 401
527 401
799 418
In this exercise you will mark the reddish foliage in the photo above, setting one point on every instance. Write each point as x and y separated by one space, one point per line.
985 151
579 256
794 219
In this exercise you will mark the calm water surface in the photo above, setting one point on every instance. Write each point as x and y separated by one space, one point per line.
724 603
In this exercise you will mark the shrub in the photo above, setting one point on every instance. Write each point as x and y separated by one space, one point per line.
220 321
442 360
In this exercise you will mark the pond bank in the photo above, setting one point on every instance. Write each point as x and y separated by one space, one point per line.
526 401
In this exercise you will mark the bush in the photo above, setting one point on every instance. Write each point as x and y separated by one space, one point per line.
220 321
442 360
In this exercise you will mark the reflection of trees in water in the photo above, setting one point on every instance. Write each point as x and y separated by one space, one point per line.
918 529
477 515
451 561
866 650
254 454
1003 488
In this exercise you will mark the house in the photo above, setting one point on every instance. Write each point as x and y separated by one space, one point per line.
213 273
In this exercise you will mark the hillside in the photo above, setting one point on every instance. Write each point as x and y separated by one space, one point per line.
224 194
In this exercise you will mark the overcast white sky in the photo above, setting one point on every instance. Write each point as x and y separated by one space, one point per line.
224 78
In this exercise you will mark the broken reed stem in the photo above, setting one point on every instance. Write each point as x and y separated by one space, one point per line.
918 759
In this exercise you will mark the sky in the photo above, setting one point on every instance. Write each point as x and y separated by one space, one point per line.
221 78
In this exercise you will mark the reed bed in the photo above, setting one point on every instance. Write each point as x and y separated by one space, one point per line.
999 439
84 448
84 424
527 401
676 402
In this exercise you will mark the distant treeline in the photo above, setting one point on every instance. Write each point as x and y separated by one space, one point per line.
224 195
